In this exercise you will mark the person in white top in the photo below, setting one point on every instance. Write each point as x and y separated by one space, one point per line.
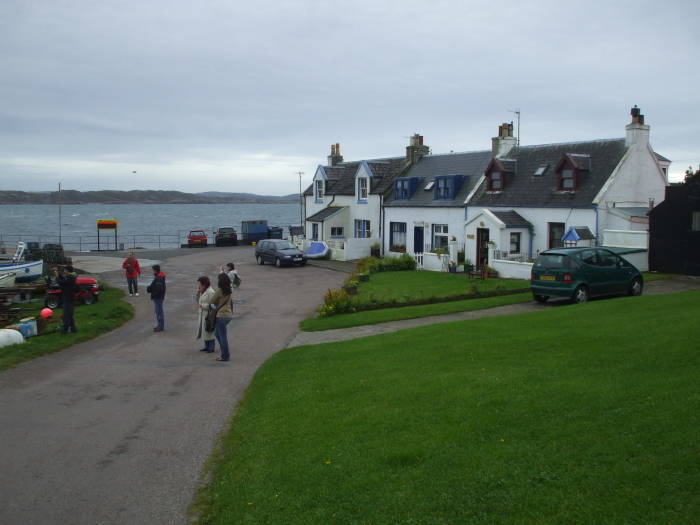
230 270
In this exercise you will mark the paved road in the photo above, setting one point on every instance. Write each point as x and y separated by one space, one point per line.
116 430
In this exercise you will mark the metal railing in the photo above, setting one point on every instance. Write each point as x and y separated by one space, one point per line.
107 241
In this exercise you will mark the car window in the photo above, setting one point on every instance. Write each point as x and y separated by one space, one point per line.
553 261
589 257
606 258
284 245
225 230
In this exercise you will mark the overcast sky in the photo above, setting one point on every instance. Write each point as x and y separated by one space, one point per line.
239 96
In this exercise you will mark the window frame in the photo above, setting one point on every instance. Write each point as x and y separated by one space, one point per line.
318 190
362 188
518 237
362 229
394 229
338 235
435 234
501 180
402 189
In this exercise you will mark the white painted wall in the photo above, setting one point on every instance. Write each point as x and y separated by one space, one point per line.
511 269
426 217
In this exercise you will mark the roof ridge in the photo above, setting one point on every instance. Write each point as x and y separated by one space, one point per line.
617 139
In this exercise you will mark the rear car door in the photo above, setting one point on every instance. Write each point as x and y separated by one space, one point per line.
592 272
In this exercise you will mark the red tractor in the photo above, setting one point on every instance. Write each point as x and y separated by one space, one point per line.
88 292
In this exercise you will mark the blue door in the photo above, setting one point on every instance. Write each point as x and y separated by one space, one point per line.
418 243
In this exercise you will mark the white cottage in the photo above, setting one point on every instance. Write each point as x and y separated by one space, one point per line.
530 197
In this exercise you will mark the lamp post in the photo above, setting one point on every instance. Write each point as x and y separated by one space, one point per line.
301 203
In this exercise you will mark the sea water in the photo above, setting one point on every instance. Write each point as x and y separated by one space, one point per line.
139 225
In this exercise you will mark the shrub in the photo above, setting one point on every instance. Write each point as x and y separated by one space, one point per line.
336 302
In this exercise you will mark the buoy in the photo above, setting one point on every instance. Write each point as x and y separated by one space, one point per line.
46 313
10 337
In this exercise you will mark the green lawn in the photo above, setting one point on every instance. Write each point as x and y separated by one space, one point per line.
91 321
411 286
576 414
384 315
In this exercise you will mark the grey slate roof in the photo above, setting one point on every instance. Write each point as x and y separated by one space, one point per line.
523 188
341 177
512 219
471 164
325 213
584 233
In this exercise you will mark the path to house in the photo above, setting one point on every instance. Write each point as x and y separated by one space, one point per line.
117 429
674 285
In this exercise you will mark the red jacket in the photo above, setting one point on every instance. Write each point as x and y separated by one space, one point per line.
131 265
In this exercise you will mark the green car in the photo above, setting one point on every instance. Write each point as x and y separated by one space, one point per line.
580 273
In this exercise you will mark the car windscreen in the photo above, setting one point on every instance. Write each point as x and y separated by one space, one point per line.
197 234
553 261
226 230
285 246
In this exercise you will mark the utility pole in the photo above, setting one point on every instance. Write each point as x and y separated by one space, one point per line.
517 116
60 220
301 202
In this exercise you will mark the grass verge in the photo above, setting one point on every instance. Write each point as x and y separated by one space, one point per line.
579 414
92 320
409 312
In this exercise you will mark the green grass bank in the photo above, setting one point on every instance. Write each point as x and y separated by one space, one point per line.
578 414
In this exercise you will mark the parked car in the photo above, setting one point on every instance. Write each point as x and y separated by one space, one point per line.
279 252
197 238
88 292
580 273
225 235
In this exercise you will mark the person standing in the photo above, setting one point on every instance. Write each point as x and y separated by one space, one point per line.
222 301
157 291
132 270
66 281
230 270
205 293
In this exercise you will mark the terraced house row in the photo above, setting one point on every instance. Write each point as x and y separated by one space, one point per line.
499 206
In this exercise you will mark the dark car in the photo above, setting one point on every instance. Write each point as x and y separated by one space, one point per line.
580 273
197 238
280 252
224 236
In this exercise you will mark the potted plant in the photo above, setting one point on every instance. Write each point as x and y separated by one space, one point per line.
376 250
350 287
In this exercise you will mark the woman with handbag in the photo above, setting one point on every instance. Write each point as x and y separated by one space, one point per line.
205 293
223 314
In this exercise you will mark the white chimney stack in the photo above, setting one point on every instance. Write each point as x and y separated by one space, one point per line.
501 145
637 131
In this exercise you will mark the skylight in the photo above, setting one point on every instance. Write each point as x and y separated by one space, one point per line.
429 186
540 171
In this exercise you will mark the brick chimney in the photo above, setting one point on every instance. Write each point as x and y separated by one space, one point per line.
416 149
637 131
501 145
335 157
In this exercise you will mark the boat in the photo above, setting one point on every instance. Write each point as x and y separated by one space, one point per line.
24 271
317 250
7 280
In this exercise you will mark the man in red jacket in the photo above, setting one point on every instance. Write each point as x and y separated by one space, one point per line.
133 270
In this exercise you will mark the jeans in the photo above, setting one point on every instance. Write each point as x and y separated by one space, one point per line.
68 322
210 345
220 333
133 284
160 316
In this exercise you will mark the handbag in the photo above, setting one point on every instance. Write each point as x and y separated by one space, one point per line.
210 321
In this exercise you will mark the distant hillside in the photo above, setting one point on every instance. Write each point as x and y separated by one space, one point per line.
139 197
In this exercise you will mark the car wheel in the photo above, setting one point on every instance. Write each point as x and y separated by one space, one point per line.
278 263
260 260
636 287
302 263
88 299
541 298
581 295
52 301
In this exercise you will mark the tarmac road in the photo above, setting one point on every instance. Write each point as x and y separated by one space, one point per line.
117 429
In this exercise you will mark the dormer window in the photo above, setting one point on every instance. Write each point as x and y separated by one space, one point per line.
569 170
362 188
402 189
447 186
442 190
318 190
496 181
567 180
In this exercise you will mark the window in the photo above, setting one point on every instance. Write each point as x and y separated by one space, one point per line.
442 190
439 236
567 180
429 186
318 190
556 232
515 242
337 231
397 236
496 181
402 189
362 230
362 188
314 231
540 171
695 224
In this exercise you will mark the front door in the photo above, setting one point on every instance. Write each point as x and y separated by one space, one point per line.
482 247
418 243
314 231
556 232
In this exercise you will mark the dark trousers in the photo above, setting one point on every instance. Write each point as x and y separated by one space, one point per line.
133 284
68 321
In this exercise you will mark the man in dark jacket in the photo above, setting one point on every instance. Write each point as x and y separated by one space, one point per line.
66 280
157 291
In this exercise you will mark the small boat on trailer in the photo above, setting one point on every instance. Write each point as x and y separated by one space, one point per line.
7 280
317 250
23 271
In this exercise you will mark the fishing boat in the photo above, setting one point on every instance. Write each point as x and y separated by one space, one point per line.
23 271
